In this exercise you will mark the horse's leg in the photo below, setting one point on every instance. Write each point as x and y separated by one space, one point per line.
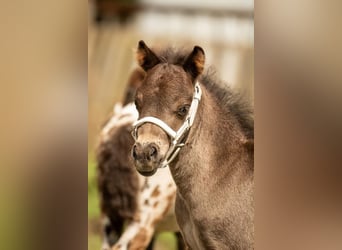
137 235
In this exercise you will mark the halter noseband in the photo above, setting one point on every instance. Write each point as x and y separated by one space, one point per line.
176 136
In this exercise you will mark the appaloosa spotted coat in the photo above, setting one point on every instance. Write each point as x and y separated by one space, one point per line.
142 206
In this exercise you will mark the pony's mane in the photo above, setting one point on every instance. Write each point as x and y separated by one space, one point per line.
234 103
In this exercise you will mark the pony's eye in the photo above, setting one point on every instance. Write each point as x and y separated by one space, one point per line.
182 111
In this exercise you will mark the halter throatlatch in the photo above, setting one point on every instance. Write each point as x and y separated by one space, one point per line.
176 136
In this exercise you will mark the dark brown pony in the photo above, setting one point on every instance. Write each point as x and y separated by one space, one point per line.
214 169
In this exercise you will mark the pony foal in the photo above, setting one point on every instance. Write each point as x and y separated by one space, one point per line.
204 133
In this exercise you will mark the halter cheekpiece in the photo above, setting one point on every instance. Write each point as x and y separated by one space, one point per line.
176 136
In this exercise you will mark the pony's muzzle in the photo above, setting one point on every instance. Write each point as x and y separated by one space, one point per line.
145 152
146 157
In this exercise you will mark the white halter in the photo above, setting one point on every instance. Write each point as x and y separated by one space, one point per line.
176 136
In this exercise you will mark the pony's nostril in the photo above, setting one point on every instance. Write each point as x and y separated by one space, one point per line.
134 152
144 153
153 151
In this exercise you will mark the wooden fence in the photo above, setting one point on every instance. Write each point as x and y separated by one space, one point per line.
226 38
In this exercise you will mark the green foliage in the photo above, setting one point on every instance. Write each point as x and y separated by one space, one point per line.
93 197
166 241
94 242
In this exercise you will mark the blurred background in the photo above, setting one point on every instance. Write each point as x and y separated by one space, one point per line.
44 106
224 29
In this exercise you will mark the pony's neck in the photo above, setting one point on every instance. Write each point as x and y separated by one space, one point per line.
214 148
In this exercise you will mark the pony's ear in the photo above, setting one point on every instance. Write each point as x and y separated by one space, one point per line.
194 63
145 57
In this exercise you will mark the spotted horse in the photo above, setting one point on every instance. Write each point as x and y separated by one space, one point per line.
134 208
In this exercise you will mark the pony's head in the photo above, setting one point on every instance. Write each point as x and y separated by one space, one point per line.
165 95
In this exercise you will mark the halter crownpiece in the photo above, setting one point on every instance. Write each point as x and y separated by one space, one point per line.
176 136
